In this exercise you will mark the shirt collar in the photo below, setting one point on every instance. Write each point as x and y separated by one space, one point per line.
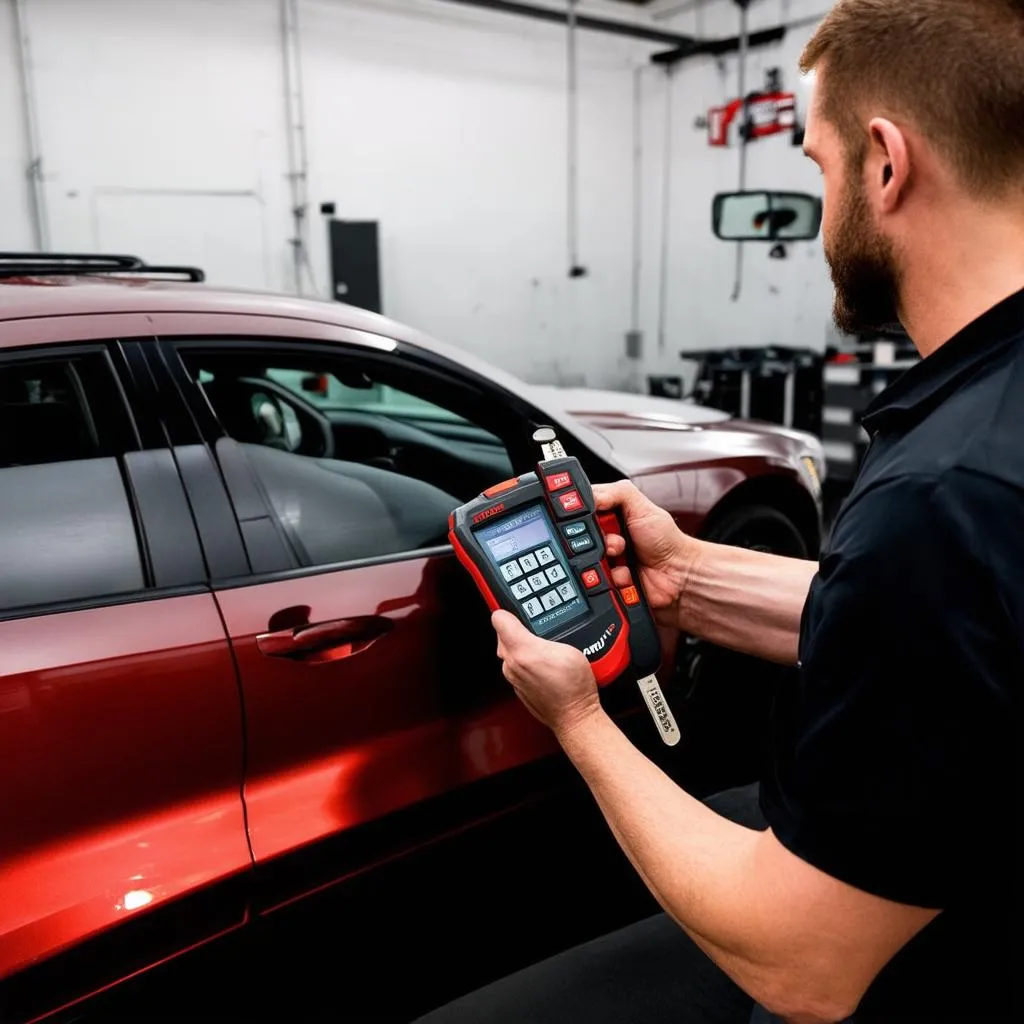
933 379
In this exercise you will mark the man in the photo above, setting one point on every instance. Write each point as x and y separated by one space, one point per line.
885 882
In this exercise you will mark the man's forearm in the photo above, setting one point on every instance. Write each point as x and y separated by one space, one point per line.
791 947
746 600
695 862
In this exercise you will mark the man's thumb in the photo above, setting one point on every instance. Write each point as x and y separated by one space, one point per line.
511 632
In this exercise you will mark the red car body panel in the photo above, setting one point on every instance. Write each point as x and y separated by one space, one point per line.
122 752
154 748
336 743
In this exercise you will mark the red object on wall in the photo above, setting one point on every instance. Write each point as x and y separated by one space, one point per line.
769 113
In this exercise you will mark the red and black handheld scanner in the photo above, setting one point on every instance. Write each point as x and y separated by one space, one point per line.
535 547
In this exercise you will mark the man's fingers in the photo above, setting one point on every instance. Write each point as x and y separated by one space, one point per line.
622 494
615 544
621 576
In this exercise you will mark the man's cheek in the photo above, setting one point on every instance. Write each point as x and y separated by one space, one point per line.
827 217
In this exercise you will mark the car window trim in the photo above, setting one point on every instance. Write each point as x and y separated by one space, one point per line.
141 536
400 357
237 582
404 355
170 347
139 393
103 601
111 351
105 348
83 400
218 528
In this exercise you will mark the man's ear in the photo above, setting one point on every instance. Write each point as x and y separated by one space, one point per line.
891 154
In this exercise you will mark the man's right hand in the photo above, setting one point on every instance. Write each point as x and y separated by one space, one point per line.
666 555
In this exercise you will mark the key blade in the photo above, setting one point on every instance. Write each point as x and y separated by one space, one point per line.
660 711
550 446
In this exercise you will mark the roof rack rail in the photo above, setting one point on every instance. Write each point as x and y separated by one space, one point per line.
30 264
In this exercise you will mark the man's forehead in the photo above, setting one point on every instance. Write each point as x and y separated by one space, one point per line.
812 130
818 131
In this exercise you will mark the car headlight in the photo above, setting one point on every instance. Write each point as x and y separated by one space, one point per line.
813 474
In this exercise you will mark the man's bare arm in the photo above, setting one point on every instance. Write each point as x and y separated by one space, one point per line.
745 600
804 945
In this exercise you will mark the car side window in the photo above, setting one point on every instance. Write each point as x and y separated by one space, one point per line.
327 392
67 528
353 466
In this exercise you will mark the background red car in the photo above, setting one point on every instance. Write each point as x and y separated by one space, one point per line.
238 661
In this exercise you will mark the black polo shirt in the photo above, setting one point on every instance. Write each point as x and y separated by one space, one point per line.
894 747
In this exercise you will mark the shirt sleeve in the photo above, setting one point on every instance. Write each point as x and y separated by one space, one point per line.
894 745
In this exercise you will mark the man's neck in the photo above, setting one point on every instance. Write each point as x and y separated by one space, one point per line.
959 277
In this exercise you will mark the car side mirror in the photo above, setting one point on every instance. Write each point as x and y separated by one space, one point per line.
766 216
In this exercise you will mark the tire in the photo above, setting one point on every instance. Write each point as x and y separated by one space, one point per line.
725 698
759 528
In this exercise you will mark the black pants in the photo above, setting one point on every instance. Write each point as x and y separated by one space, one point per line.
648 973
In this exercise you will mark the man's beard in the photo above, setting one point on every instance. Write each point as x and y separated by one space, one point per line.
864 269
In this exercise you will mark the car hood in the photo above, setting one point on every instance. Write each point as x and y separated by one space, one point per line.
587 403
649 434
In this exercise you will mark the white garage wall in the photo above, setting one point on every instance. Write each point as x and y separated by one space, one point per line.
161 127
449 126
781 302
163 131
15 223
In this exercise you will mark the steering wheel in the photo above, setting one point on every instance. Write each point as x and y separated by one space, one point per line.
290 418
259 411
273 424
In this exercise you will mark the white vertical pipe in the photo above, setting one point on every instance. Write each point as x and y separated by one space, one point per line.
572 141
666 211
298 158
737 288
34 171
638 168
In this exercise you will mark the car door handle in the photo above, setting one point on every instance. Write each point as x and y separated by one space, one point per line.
324 641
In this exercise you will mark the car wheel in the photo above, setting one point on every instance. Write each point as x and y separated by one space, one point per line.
725 698
759 528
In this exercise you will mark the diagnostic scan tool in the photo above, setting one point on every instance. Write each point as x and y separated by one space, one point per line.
535 547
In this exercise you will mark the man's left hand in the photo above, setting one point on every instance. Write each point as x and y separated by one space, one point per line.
554 681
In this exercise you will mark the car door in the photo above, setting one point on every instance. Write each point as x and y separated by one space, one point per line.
122 837
367 662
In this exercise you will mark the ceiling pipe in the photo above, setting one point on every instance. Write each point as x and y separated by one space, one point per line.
720 47
583 21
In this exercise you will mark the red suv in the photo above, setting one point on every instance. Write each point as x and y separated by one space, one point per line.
232 633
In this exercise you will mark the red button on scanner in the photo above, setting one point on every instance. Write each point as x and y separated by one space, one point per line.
571 502
556 481
591 578
630 595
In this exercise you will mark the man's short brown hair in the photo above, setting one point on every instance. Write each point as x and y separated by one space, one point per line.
953 69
